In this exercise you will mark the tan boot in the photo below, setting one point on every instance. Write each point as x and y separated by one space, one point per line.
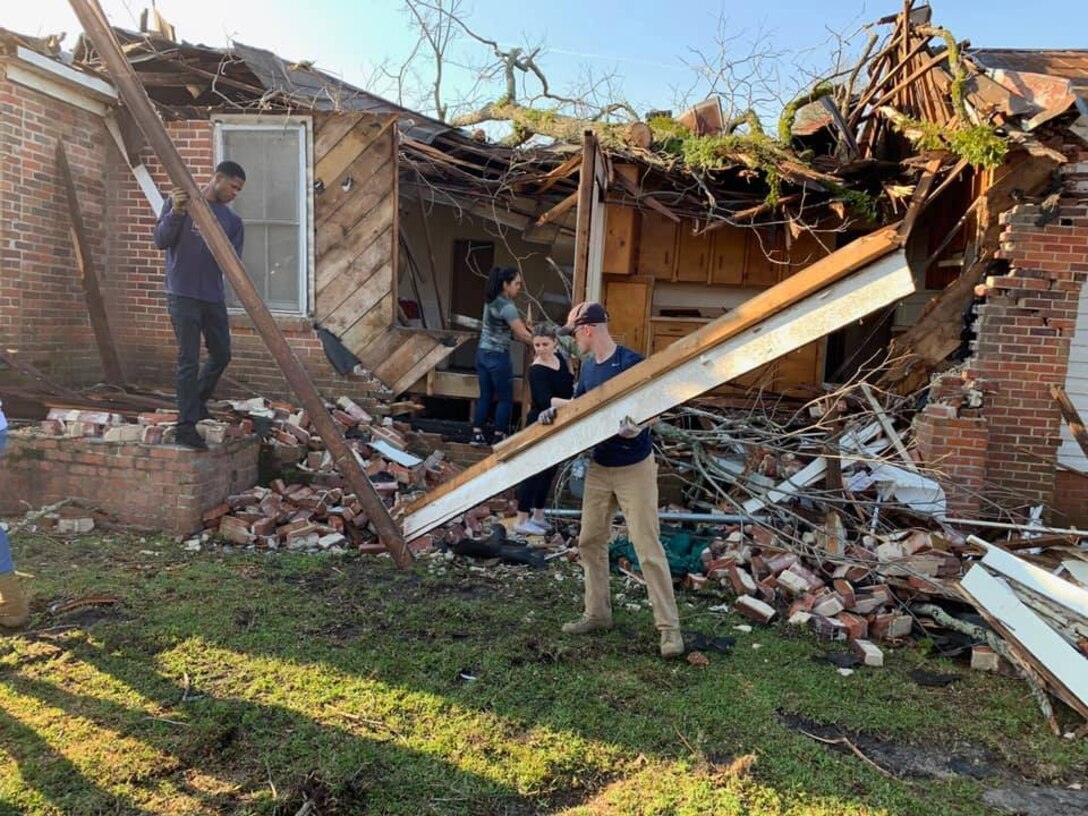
584 625
14 609
672 643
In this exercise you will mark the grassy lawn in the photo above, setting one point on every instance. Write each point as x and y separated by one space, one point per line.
231 684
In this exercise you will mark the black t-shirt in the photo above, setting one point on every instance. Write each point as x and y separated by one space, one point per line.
545 383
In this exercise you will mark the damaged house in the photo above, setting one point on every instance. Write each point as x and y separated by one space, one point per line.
370 227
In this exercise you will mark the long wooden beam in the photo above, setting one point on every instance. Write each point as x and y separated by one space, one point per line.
97 29
722 351
96 306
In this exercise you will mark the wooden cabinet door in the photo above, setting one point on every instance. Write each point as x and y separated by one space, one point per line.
657 247
620 239
693 264
628 300
804 251
727 256
760 268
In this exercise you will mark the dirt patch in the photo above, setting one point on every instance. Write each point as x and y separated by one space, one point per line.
944 761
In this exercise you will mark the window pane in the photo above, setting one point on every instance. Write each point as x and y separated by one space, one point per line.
283 262
254 254
272 196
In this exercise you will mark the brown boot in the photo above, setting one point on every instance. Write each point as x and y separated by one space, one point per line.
672 643
584 625
14 609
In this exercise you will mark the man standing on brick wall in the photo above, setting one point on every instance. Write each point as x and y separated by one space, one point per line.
13 605
622 475
195 296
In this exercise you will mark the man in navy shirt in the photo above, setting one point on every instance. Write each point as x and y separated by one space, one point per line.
622 475
194 293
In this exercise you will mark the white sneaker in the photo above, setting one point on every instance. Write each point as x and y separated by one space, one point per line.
530 528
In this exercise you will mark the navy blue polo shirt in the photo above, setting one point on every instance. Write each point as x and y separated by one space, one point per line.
616 451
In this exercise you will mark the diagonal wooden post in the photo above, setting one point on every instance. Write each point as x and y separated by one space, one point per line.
96 306
97 29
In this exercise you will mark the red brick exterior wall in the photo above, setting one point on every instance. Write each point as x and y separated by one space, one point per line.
152 487
954 448
42 309
1022 348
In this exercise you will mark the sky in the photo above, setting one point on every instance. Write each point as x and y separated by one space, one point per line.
647 44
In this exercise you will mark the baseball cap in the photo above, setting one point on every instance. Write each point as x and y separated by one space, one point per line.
588 314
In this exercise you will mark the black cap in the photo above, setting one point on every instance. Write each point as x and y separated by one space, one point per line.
588 314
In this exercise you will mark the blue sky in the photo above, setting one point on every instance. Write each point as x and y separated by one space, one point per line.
645 42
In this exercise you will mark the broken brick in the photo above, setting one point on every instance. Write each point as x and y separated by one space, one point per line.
755 609
867 652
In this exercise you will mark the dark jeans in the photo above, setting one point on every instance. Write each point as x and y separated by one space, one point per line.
496 375
533 492
193 318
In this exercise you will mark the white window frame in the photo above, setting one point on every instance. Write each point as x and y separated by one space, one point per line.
241 122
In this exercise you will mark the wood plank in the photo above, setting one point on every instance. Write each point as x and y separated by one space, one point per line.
379 349
375 255
586 203
856 255
1065 669
657 247
558 211
1034 578
620 240
373 168
565 170
369 326
1071 416
81 247
759 266
413 345
361 299
347 150
340 224
330 128
442 349
342 257
816 304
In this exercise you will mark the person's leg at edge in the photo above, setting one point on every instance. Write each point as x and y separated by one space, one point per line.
185 315
483 403
636 490
217 341
503 373
598 508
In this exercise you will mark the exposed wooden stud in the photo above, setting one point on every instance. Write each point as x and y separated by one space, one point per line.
81 247
1072 416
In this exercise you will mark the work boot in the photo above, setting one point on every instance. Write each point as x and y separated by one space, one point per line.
188 437
585 624
672 643
14 609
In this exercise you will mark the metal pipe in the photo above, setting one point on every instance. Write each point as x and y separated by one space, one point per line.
97 28
1019 528
669 515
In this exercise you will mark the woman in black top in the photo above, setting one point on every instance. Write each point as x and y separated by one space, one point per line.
549 376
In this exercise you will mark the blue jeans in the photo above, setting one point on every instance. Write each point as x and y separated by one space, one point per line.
192 318
6 564
496 375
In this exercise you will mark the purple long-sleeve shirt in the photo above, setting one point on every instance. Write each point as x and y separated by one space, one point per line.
191 270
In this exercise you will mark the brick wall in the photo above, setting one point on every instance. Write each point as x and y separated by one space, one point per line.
1022 348
43 313
1023 345
955 448
153 487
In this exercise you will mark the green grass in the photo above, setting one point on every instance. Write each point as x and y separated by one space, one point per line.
231 684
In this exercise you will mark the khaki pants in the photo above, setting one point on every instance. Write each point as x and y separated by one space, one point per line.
634 490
